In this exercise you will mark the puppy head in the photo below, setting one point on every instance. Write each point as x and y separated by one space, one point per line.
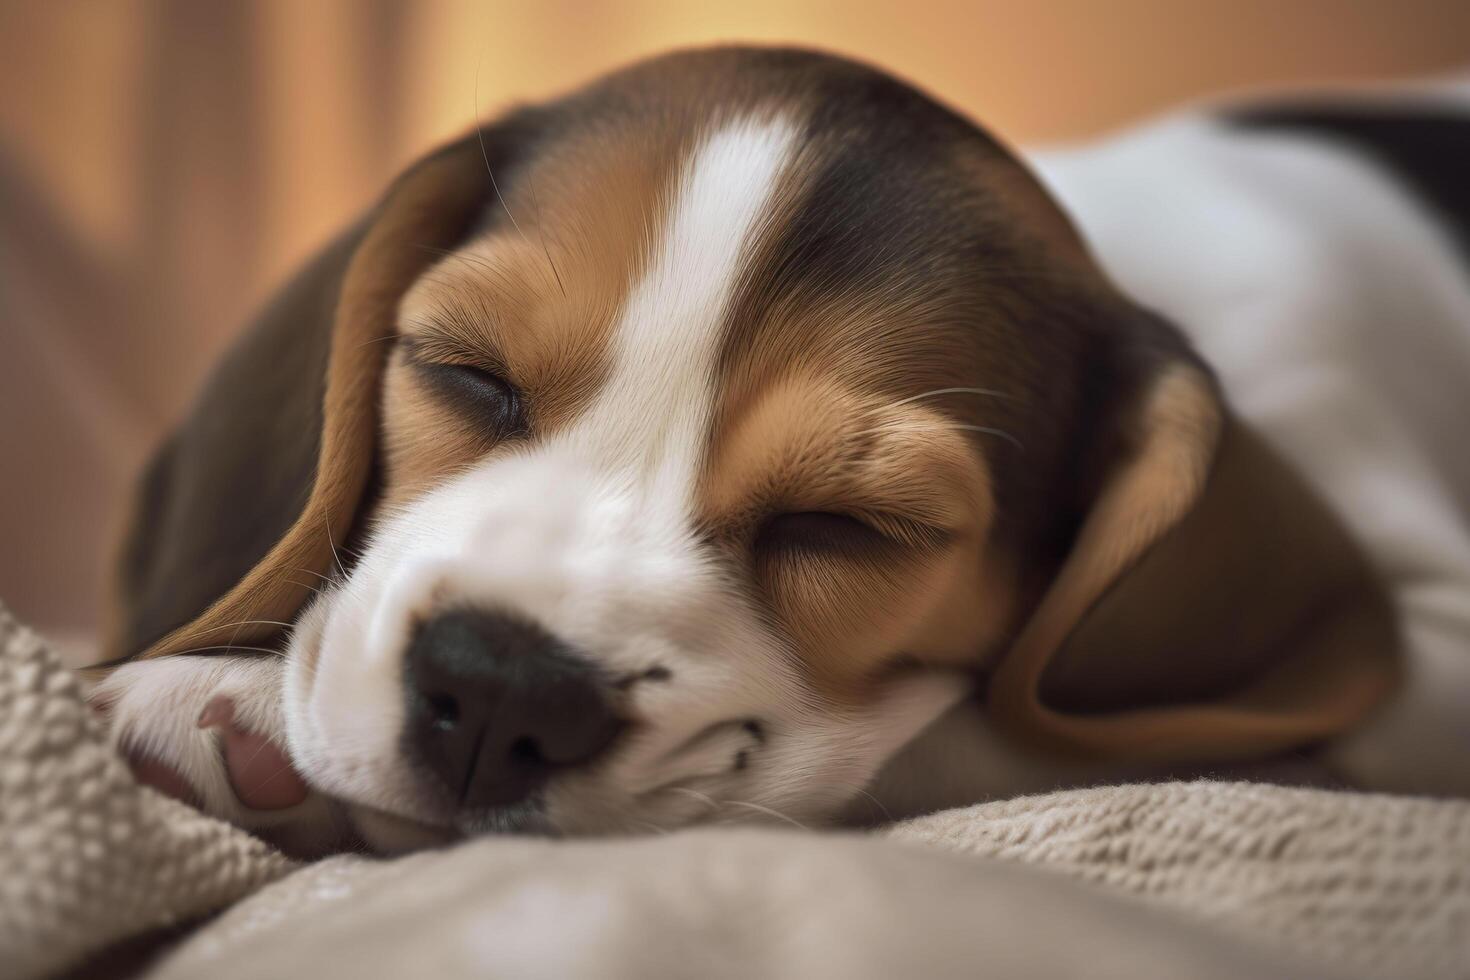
698 459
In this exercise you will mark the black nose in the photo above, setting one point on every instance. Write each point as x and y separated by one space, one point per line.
496 704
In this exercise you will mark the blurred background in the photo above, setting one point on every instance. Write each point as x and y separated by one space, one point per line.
165 163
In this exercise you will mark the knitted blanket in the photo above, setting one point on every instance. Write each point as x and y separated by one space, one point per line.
87 856
1183 879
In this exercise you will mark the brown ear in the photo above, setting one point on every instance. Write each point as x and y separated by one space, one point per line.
1211 607
237 516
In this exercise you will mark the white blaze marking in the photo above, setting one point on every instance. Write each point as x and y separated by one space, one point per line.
587 533
656 405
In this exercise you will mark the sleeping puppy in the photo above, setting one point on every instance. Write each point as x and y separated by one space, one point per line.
677 452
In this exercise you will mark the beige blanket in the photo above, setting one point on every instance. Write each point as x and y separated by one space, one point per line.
1192 879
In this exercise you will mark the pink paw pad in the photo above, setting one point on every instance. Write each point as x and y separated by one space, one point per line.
259 772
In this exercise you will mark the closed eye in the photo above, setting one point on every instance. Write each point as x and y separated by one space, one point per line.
818 532
475 391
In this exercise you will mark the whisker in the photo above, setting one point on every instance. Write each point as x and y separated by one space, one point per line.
485 155
235 635
541 230
256 754
303 585
993 432
266 780
952 391
332 589
887 816
768 812
377 340
346 549
331 544
228 647
714 804
244 622
704 798
958 425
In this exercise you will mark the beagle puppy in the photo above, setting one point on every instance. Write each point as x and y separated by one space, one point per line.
678 451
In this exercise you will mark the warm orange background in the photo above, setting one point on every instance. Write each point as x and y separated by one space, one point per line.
163 163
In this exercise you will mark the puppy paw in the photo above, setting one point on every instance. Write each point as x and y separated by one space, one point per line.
211 732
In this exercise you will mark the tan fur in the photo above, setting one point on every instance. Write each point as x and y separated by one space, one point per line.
824 406
844 400
533 302
813 443
526 304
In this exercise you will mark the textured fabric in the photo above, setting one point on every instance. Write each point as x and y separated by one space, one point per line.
1377 883
1196 879
711 904
87 856
1304 880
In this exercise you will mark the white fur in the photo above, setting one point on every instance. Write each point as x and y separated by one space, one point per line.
590 534
1336 313
153 708
1338 316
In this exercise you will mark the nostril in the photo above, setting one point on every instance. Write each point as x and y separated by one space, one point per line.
527 751
496 706
443 711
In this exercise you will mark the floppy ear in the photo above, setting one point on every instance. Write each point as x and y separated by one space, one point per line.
237 515
1211 607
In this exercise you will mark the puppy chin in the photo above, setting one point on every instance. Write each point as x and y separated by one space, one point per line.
385 833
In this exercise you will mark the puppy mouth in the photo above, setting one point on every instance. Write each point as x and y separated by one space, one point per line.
687 784
705 764
718 748
649 780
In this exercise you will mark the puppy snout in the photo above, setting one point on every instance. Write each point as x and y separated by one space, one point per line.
496 705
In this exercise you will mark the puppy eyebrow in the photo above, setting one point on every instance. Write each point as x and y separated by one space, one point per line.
897 484
428 350
459 324
449 337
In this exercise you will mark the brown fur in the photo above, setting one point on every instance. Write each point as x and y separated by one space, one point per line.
534 302
815 444
430 205
1244 623
1022 530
